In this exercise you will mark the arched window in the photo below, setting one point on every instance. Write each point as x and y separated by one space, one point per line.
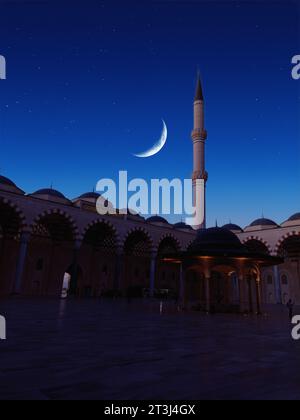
284 279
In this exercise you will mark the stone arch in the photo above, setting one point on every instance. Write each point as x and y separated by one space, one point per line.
138 250
58 216
98 257
168 274
171 241
101 221
257 242
286 239
7 206
12 225
50 250
139 232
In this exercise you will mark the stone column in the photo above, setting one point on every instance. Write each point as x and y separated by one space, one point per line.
152 272
119 268
181 285
24 240
74 274
278 291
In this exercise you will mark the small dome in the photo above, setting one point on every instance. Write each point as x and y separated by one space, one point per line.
263 222
157 219
182 225
232 226
6 181
89 195
295 217
50 192
216 239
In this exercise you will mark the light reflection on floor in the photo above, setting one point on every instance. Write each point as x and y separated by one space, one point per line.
86 349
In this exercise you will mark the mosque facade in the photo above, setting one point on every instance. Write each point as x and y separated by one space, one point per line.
50 244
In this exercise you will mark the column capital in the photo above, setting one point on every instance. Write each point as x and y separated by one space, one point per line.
77 245
25 236
154 254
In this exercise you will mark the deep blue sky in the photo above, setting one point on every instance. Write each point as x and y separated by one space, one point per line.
89 81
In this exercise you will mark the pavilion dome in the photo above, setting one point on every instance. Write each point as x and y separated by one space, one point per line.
157 219
263 222
216 239
233 227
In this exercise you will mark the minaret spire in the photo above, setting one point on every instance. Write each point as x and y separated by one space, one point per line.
199 136
199 91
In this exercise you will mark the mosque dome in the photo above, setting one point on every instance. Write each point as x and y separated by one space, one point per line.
8 185
50 195
233 227
182 225
6 181
294 218
263 222
50 192
216 240
157 219
89 196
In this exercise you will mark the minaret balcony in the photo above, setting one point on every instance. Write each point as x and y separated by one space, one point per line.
199 135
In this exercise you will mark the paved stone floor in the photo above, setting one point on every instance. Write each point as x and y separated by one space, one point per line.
115 350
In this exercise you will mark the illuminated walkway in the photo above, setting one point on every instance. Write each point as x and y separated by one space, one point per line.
116 350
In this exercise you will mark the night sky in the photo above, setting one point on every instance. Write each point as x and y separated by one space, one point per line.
88 83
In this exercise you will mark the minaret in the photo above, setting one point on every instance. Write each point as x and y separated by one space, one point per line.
199 136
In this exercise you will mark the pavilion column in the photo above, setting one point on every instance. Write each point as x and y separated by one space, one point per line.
278 291
24 241
249 283
258 294
207 293
119 268
152 272
242 297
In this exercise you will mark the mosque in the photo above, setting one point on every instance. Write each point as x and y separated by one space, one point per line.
51 245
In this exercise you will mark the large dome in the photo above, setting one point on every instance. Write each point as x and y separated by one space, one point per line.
216 239
295 217
6 181
263 222
8 185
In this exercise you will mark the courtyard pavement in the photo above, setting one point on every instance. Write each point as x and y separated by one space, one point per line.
87 349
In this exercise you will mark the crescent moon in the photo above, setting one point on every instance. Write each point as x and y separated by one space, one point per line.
158 146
